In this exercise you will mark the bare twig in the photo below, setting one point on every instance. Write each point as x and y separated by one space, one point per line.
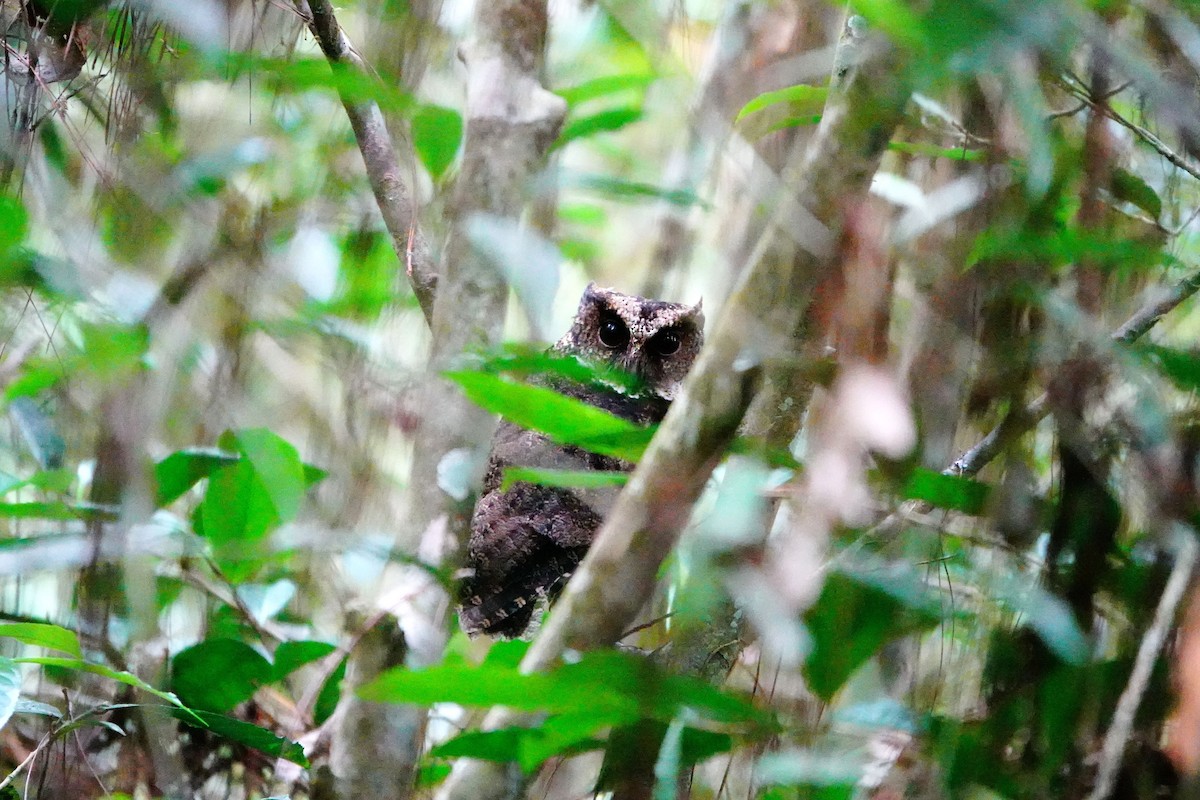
1152 643
392 192
1020 420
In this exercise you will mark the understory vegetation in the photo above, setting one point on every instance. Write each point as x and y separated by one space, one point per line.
921 524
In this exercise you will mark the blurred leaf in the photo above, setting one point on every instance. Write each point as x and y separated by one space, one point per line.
605 86
559 735
612 687
934 151
602 121
946 491
563 478
527 261
10 689
297 75
54 480
14 221
218 674
1132 189
782 108
291 656
619 189
120 676
815 767
183 469
26 706
1182 367
244 501
563 419
366 275
330 694
529 360
265 602
45 635
245 733
436 135
849 622
57 511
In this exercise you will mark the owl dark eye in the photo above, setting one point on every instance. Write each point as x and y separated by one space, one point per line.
613 332
664 343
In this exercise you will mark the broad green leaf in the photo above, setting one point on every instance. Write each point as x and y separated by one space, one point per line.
849 623
40 634
436 134
290 656
218 674
298 75
127 678
183 469
1182 367
10 689
605 86
946 491
563 478
1134 190
246 733
563 419
602 121
611 686
54 480
277 467
14 221
563 734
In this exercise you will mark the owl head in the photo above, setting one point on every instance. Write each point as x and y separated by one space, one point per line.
651 339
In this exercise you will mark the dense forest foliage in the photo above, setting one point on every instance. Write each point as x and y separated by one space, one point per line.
921 523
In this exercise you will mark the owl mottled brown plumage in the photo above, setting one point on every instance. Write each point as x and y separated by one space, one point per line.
526 542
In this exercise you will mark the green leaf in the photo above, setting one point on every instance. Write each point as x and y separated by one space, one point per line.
563 419
246 733
1134 190
610 686
14 221
611 120
40 634
330 694
26 706
1182 367
10 689
934 151
56 511
218 674
183 469
277 468
563 734
529 360
946 491
782 108
849 623
127 678
619 189
436 133
605 86
290 656
563 478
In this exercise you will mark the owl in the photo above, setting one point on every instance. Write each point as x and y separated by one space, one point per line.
526 541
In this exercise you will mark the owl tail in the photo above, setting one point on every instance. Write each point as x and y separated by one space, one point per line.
505 606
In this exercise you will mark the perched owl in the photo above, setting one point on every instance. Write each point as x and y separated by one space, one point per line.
526 542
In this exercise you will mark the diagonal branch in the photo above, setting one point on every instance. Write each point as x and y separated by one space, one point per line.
1020 420
392 192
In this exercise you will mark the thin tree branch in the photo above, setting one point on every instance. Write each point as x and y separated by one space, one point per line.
393 195
1020 420
1127 705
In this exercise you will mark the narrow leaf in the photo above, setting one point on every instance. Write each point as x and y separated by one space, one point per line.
45 635
563 478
